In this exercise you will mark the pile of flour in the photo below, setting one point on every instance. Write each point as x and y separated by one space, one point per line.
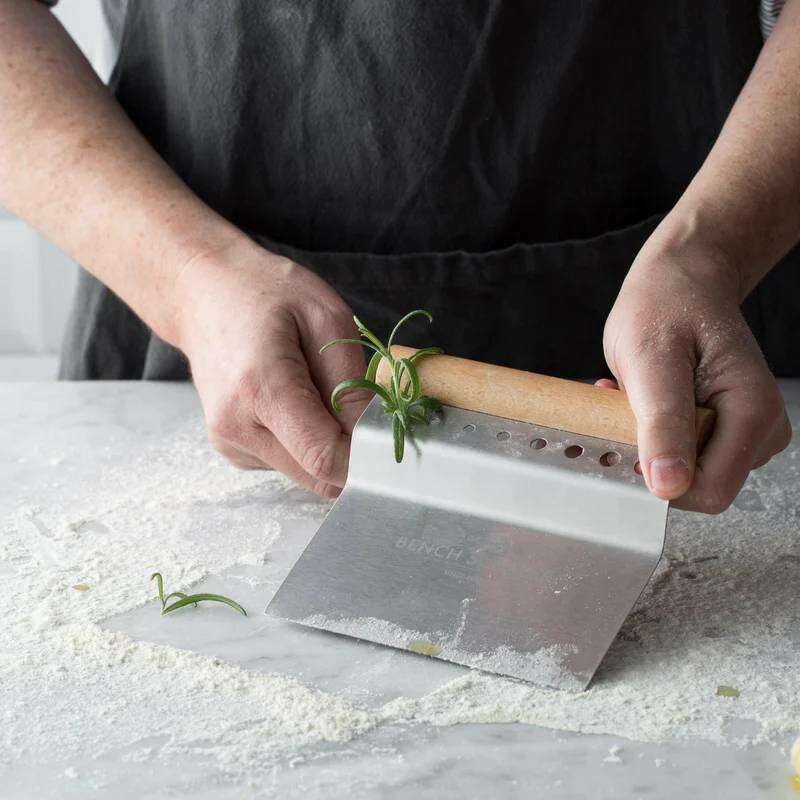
723 610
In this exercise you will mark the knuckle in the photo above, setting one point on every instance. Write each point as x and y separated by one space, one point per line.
249 388
324 489
751 424
784 436
333 317
774 407
230 454
318 459
222 428
760 412
341 314
715 501
284 398
219 444
226 420
280 397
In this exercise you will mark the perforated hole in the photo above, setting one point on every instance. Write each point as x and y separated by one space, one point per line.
637 468
469 428
610 459
503 436
539 444
573 451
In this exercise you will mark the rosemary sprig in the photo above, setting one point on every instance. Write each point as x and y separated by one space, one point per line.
188 599
403 398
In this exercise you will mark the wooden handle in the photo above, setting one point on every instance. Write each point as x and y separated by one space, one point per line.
514 394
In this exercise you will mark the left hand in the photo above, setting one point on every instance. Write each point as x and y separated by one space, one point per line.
676 338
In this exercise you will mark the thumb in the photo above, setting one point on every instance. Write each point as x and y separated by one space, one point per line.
660 390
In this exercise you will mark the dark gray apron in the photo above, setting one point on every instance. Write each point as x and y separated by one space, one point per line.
497 163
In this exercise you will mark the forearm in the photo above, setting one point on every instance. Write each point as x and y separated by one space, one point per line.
74 166
742 210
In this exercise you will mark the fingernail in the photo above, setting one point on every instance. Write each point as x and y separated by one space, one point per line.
669 474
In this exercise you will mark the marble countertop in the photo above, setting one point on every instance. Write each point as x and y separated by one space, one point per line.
420 761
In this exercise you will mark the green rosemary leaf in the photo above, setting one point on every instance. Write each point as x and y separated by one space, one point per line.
403 397
420 312
358 383
171 595
372 368
401 414
394 388
160 584
348 341
399 436
197 598
425 351
413 378
368 334
185 600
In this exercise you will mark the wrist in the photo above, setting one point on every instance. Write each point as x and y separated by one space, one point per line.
201 266
686 243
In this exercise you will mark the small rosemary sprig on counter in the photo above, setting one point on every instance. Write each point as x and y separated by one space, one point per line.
189 599
403 398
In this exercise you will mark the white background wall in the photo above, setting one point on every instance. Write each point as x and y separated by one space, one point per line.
36 279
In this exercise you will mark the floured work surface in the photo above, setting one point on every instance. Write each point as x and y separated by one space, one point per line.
106 497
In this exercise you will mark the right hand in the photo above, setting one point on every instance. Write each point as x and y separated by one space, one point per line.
252 324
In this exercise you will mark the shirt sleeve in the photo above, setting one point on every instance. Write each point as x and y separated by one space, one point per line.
768 13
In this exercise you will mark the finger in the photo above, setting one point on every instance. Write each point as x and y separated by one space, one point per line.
606 383
233 433
238 457
750 428
268 451
773 443
660 388
760 462
783 434
337 364
290 406
727 458
257 448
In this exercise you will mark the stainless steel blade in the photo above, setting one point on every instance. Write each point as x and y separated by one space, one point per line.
496 544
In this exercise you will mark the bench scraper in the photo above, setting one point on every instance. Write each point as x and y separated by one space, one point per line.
515 537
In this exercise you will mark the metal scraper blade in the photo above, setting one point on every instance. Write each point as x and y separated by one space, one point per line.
496 544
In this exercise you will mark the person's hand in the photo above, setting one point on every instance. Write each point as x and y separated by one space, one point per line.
252 325
676 338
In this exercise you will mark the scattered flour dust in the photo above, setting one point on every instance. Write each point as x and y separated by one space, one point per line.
544 668
82 556
722 610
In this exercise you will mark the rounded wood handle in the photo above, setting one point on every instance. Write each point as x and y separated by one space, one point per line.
514 394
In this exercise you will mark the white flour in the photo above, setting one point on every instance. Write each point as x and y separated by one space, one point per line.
722 611
545 667
63 678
